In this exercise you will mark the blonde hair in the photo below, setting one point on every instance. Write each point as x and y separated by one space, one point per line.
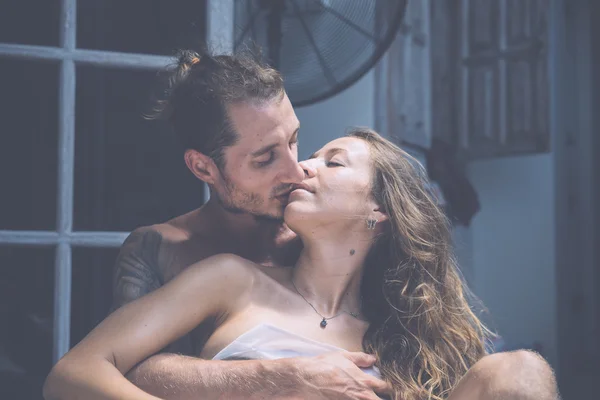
422 329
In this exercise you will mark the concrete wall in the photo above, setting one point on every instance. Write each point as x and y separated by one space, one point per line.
512 248
329 119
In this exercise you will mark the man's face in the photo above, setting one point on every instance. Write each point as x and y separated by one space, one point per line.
263 164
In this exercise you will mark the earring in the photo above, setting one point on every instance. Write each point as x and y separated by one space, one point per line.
371 224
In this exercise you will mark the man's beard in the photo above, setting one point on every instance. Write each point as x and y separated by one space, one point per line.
237 201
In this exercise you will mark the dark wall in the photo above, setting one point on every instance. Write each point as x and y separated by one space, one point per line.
595 16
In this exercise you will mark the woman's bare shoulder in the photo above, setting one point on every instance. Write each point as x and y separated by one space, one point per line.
225 266
278 274
236 273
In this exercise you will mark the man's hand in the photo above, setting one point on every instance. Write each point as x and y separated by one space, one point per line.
333 376
337 376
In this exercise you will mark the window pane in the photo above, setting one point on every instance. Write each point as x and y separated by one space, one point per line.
26 320
91 289
28 144
34 22
128 171
140 26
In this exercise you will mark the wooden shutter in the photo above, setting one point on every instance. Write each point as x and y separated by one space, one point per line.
503 77
403 81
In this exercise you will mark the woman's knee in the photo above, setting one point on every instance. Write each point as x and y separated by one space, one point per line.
518 374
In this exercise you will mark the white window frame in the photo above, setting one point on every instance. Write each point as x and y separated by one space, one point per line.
220 39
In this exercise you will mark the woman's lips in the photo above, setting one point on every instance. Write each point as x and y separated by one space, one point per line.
299 191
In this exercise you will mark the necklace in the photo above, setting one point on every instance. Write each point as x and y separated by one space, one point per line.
323 323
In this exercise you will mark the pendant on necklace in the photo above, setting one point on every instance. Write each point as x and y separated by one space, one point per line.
323 323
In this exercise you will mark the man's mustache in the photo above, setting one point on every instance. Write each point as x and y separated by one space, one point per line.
282 190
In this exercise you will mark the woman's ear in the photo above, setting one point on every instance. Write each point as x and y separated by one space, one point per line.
379 214
202 166
375 211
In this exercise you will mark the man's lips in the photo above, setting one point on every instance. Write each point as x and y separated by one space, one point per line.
284 196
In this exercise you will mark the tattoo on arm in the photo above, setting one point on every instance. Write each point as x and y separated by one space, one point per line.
139 270
136 270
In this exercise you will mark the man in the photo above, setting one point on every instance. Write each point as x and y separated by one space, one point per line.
241 134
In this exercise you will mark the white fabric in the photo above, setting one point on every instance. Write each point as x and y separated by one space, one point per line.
268 342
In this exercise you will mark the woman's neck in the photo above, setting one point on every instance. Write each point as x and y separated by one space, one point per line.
329 271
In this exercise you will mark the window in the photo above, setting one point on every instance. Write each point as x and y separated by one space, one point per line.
80 166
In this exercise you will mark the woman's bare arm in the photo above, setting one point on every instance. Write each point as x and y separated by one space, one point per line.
94 368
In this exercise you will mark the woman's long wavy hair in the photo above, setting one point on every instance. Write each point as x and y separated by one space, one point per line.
422 329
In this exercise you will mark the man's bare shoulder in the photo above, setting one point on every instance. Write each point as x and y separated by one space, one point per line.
166 232
175 230
183 227
150 242
145 261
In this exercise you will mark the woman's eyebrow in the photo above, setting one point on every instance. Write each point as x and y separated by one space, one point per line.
330 152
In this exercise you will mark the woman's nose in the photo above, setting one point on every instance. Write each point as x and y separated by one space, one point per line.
308 167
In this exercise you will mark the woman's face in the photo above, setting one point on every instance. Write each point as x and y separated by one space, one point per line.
336 190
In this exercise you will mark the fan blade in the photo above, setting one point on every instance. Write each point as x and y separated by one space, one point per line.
249 26
326 70
357 28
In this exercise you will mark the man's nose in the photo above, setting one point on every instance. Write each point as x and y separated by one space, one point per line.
294 172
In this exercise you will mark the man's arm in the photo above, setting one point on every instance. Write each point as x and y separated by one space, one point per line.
137 273
137 270
174 376
330 376
171 376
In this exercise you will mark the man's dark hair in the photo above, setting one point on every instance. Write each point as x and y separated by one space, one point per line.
201 86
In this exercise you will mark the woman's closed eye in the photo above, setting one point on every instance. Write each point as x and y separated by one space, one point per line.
333 164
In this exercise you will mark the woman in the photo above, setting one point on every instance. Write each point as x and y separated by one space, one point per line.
376 274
